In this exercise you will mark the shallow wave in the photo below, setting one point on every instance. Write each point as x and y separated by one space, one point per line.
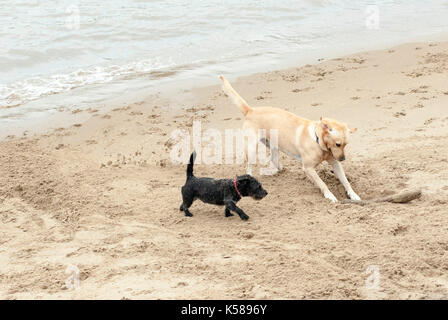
15 94
30 89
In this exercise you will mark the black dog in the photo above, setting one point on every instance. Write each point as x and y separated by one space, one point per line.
223 192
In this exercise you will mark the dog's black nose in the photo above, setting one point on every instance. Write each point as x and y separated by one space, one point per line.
342 158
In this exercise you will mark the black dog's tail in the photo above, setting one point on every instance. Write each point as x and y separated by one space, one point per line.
190 165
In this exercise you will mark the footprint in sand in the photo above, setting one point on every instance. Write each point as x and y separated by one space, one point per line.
136 113
264 95
399 114
356 60
429 121
421 89
414 74
154 116
322 73
60 146
121 109
302 89
419 106
399 229
290 78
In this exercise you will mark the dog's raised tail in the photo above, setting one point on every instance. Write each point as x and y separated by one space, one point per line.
190 165
236 98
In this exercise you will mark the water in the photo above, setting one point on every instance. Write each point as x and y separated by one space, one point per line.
75 54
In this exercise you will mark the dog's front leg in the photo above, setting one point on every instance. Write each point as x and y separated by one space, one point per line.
312 174
230 205
339 172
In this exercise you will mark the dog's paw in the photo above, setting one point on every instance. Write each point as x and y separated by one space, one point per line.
352 195
244 217
229 214
188 214
331 197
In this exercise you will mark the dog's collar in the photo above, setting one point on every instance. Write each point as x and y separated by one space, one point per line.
317 141
236 188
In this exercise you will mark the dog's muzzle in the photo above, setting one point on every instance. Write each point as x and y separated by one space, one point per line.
261 195
342 158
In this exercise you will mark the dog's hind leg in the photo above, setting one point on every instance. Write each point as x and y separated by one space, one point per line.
228 213
187 202
187 212
251 149
275 158
274 154
248 166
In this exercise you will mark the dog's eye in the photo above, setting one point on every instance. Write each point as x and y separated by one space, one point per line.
338 145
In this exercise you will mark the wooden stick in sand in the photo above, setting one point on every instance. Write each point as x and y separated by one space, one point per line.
402 197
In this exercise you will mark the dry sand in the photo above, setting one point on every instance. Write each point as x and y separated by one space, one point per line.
104 196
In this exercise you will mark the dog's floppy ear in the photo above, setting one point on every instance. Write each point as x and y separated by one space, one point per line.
353 130
243 183
244 177
244 180
323 124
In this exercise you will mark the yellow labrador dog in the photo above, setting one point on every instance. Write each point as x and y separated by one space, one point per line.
312 142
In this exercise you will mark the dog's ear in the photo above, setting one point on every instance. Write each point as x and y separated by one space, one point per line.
323 124
243 178
353 130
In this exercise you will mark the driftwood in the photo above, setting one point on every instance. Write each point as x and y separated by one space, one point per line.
402 197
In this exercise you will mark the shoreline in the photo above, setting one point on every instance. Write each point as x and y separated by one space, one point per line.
103 195
31 122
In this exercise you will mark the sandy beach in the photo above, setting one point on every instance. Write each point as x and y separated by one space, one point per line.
102 195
